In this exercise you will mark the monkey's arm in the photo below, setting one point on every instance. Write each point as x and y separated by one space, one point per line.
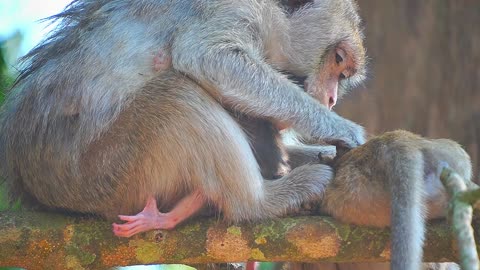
237 76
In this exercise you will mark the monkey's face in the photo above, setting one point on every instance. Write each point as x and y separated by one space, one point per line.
327 43
340 68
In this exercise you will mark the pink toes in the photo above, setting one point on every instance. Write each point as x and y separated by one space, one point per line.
149 219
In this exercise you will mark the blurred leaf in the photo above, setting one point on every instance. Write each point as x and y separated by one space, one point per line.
9 49
4 202
3 199
6 80
3 72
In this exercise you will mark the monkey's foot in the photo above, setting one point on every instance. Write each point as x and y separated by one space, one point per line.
149 219
161 61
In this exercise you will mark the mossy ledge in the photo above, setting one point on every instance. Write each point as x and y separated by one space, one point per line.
37 240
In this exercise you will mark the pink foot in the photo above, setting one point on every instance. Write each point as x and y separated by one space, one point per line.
161 61
149 219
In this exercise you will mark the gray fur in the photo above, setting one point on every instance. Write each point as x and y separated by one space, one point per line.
91 127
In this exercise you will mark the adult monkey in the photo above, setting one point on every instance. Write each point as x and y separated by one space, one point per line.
91 127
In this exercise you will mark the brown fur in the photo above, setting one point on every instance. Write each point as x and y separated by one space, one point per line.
393 180
398 169
369 170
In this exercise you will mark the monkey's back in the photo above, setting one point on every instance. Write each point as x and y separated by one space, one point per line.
360 192
73 87
57 126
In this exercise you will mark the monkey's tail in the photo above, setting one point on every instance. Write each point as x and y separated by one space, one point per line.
405 169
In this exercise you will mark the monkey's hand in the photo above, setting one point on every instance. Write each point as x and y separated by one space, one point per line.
340 132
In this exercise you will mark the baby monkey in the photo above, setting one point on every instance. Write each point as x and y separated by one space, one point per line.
393 179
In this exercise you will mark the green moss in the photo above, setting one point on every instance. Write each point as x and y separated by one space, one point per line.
272 230
42 220
146 252
82 238
363 242
72 262
273 233
194 237
82 256
257 254
234 230
190 228
343 231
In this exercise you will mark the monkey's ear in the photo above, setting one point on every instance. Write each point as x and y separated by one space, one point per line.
292 5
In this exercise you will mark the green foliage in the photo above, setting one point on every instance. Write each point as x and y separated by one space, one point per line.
6 81
3 200
9 49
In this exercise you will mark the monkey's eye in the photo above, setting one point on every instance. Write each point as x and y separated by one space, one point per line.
338 58
342 76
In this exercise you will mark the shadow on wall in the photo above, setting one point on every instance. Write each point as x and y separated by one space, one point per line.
425 71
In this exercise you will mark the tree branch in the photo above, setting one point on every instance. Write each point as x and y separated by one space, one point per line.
460 214
36 240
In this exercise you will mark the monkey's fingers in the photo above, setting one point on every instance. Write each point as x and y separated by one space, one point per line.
341 146
128 218
126 226
154 220
142 223
127 230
